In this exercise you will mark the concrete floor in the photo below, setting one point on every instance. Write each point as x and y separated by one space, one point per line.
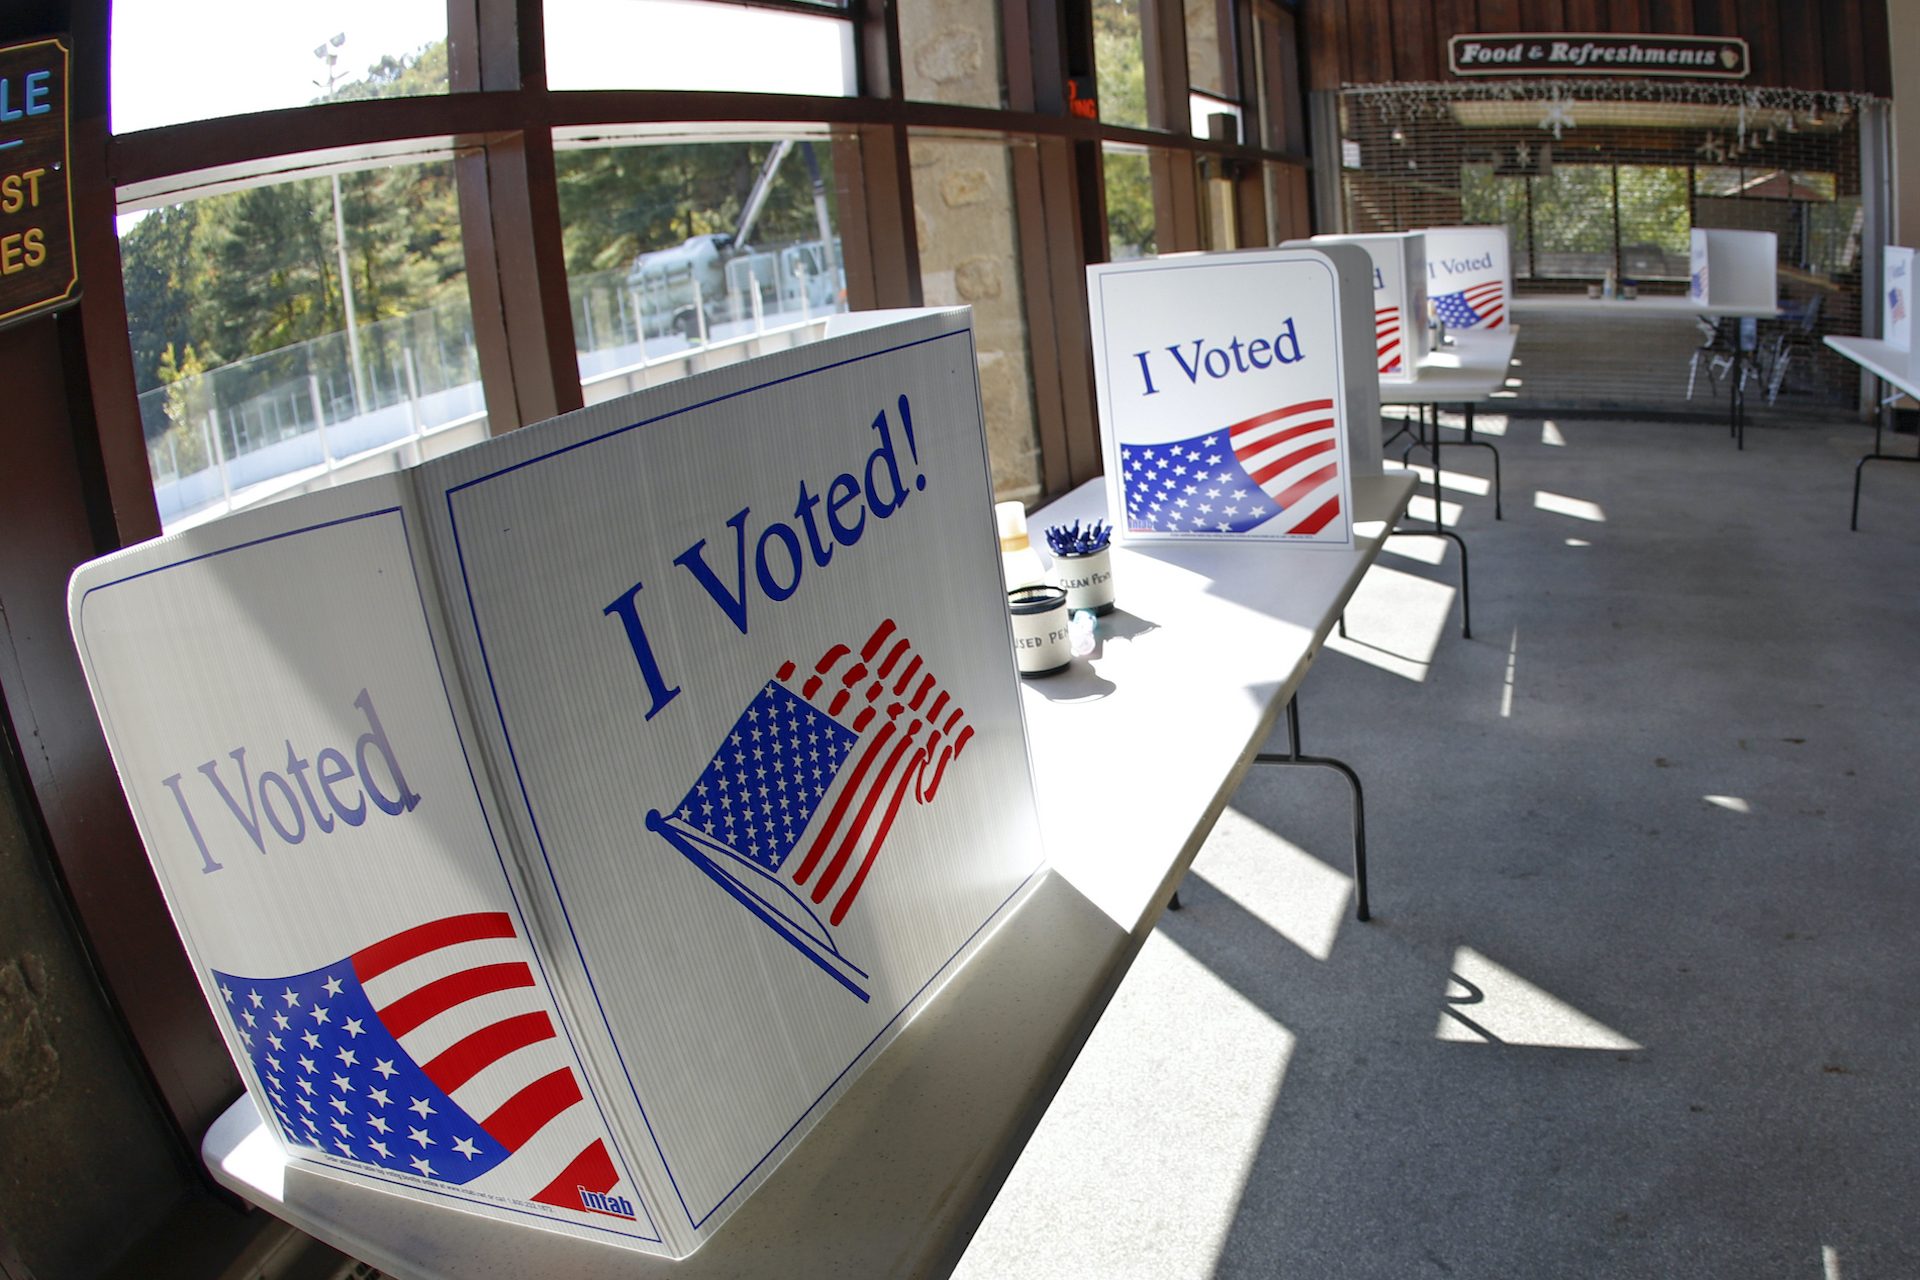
1640 997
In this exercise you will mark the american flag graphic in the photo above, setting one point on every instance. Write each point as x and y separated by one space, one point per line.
430 1053
1898 299
1476 306
1697 286
1386 336
1280 467
819 763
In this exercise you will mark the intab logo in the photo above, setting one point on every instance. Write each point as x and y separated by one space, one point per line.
597 1202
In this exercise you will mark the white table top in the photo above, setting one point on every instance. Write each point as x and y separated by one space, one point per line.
1580 303
1208 643
898 1174
1473 367
1883 360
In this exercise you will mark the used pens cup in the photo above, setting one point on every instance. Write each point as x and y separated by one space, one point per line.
1041 646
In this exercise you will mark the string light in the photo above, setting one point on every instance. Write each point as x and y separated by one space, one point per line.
1415 100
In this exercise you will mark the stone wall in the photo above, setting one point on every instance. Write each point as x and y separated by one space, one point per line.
950 52
86 1167
969 254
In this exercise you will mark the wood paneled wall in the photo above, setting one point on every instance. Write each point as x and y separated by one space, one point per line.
1840 45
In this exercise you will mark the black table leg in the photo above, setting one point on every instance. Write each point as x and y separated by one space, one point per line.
1739 397
1293 757
1879 420
1466 600
1498 514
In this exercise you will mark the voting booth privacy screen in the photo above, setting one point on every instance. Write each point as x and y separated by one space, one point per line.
1733 268
558 828
1223 383
1401 339
1896 301
1470 277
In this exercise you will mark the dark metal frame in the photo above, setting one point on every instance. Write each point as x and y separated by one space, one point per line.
1292 756
1439 530
1881 403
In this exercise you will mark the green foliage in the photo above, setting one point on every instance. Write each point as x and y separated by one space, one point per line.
1573 210
619 202
1122 85
1486 199
1573 217
187 401
252 271
1130 222
1655 208
411 75
272 283
165 307
1118 66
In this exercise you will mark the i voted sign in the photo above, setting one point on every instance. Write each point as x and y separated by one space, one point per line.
289 739
1222 397
1469 277
1896 297
1401 338
558 828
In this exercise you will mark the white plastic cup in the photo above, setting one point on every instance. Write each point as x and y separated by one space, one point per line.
1019 563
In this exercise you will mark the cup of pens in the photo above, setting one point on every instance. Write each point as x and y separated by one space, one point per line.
1042 643
1083 565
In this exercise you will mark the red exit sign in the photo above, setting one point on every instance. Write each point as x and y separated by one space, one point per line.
1080 100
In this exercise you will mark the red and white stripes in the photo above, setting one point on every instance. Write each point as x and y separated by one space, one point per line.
1292 453
458 995
1386 335
912 729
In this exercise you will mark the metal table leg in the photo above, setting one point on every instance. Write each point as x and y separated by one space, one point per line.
1400 431
1466 600
1738 400
1482 444
1293 757
1498 512
1879 420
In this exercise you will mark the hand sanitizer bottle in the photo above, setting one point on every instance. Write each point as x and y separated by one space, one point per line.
1019 563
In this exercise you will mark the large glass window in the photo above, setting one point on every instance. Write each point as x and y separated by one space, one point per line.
289 336
963 203
1563 224
950 51
684 253
1487 197
1129 184
1656 217
1119 63
1573 222
1209 47
697 44
181 60
1204 114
